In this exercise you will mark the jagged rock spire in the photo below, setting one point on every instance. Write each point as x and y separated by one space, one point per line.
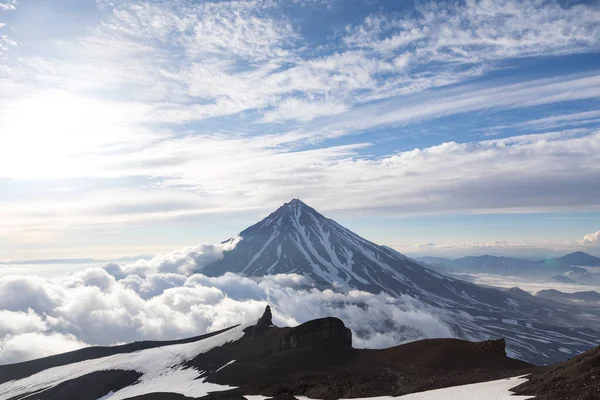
264 322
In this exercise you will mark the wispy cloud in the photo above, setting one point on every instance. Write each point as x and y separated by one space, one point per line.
532 173
218 59
479 30
555 121
207 107
5 40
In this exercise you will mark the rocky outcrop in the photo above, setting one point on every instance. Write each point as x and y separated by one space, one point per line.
493 346
575 379
264 322
319 333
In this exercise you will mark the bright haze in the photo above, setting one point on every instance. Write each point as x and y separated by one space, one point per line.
436 128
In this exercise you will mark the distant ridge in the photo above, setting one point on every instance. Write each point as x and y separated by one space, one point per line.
515 266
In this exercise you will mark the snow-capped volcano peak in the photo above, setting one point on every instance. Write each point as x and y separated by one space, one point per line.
298 239
289 212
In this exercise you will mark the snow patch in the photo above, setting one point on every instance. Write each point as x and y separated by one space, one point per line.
160 368
493 390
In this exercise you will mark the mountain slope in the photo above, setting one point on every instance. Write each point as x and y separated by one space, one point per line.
315 359
579 258
574 379
589 296
503 265
297 239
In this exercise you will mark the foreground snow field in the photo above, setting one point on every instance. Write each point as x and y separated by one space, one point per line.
493 390
160 368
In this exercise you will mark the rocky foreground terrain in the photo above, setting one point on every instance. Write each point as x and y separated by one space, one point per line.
315 359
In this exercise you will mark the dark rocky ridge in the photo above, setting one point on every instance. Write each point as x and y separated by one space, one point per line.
575 379
316 359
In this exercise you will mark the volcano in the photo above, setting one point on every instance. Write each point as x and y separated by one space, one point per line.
297 239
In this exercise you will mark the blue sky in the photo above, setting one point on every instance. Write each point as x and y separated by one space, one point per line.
443 128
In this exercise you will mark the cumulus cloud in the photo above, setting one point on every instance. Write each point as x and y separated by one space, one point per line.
33 345
184 261
591 239
117 304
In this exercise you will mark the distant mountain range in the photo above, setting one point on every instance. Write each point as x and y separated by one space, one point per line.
297 239
589 296
569 265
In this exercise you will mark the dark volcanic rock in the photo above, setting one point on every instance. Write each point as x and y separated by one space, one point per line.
264 322
325 332
91 386
576 379
497 346
316 359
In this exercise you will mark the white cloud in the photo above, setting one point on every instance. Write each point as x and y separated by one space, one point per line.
555 121
31 345
295 109
479 30
535 249
5 40
176 67
225 58
591 239
102 307
184 261
212 174
8 5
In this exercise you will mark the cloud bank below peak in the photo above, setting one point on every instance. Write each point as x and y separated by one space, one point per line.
141 300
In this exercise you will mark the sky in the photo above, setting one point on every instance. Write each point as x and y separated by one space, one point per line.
439 128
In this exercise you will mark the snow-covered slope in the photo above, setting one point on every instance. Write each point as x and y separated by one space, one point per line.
297 239
159 370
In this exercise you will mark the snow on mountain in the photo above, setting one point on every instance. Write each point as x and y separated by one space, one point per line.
159 369
298 239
